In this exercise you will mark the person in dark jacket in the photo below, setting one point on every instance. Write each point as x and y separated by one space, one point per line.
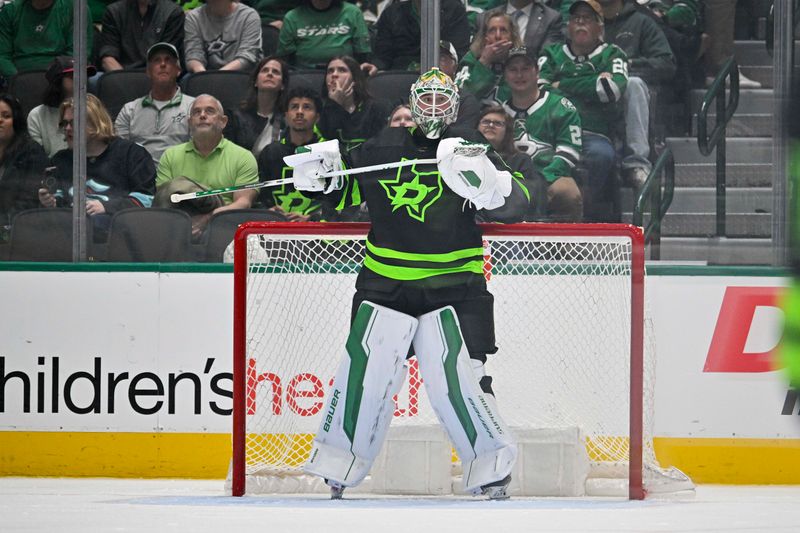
119 173
538 25
498 128
650 61
22 162
131 27
398 33
259 119
349 113
302 112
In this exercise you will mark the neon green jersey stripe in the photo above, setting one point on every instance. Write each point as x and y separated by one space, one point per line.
431 258
410 273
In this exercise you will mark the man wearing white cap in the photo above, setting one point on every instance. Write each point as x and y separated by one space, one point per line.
160 119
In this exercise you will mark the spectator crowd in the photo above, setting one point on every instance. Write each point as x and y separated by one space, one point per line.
564 90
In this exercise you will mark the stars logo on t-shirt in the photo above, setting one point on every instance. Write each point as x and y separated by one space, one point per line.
217 48
39 28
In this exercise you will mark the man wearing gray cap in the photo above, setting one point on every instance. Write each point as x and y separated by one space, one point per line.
160 119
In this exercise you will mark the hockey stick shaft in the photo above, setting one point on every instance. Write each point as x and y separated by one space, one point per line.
179 197
374 168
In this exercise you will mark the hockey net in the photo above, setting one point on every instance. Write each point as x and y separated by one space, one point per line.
575 346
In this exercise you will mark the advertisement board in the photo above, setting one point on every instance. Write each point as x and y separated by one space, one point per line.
98 369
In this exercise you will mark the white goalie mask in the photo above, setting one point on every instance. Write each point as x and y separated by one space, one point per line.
434 102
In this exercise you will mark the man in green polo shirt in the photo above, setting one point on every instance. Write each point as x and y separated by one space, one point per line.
210 160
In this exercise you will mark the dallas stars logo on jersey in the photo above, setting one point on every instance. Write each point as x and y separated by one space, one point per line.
549 132
415 195
290 199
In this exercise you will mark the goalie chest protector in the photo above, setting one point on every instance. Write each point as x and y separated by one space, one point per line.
420 228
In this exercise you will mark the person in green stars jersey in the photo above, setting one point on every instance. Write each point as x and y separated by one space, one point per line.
547 128
319 30
593 75
33 33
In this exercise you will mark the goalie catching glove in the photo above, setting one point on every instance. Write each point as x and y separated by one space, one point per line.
313 160
469 173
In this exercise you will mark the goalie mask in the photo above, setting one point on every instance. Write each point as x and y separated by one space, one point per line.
434 102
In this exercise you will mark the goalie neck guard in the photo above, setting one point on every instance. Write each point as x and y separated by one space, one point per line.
434 102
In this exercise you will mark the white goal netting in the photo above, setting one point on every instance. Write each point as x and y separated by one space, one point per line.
563 312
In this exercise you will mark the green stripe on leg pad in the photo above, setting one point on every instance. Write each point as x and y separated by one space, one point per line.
453 343
362 325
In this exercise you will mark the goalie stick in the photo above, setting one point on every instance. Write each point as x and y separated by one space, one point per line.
180 197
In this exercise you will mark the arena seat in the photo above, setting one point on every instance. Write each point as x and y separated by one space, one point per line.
229 87
309 78
154 235
392 85
42 235
222 227
117 88
28 88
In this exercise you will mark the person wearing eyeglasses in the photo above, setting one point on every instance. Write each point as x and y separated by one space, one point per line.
593 75
547 129
119 173
498 128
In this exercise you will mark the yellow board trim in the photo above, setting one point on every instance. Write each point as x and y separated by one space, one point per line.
207 455
733 461
126 455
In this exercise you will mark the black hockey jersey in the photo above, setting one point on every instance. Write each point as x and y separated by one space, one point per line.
420 228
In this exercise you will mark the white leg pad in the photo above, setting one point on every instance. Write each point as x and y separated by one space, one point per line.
360 403
469 415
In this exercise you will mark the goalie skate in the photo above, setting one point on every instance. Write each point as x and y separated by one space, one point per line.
337 489
498 489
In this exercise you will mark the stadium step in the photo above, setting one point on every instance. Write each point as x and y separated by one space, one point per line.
739 225
713 251
753 117
749 162
703 200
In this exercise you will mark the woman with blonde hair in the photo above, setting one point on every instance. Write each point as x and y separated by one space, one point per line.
482 67
119 173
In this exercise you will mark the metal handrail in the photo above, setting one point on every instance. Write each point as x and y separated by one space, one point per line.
659 197
725 108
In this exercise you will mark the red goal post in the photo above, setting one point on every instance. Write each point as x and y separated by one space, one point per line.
301 247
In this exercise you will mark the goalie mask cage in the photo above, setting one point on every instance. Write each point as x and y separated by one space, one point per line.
574 349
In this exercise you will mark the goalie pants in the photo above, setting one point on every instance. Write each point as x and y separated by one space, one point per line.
466 292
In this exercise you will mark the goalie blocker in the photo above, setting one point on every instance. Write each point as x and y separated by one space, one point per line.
359 405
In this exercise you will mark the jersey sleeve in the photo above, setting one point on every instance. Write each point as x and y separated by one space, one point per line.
7 67
567 145
475 77
360 34
547 70
287 38
606 85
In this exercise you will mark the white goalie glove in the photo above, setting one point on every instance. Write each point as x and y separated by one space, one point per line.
469 173
313 160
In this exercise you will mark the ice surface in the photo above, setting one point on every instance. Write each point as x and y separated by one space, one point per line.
66 505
